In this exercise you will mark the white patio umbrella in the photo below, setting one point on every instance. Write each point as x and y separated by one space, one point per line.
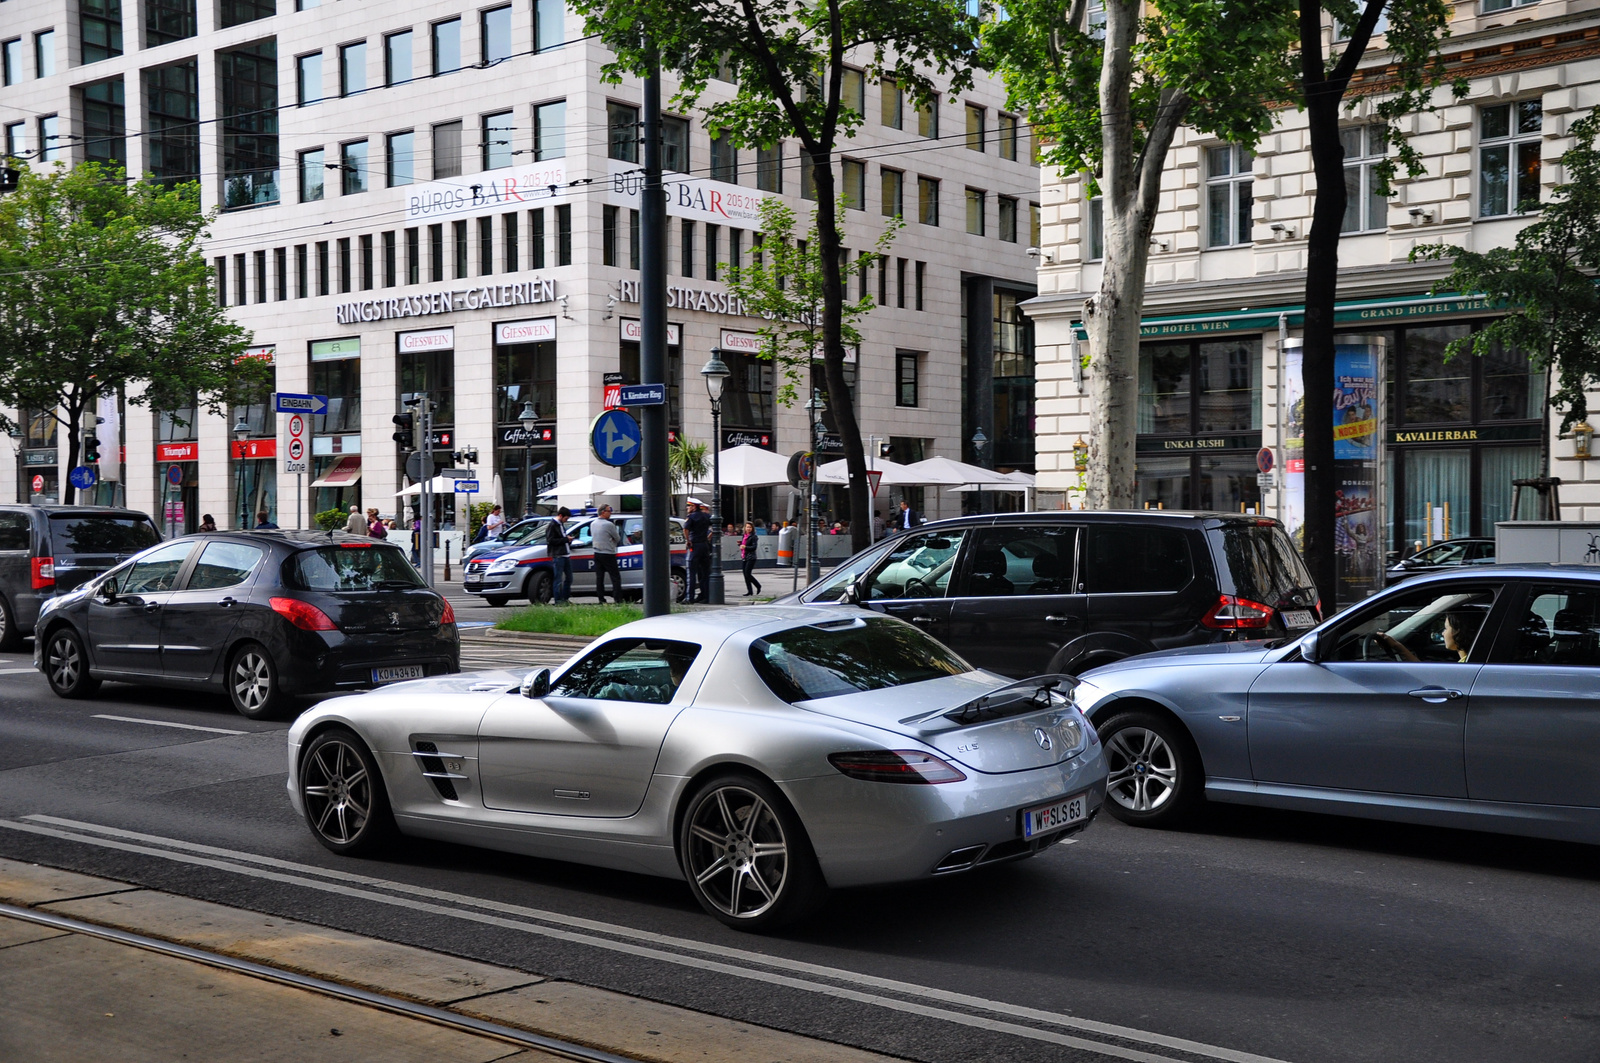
894 474
441 486
584 487
948 472
747 466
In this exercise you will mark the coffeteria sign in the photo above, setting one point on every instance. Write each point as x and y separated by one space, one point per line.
433 339
447 302
538 330
632 332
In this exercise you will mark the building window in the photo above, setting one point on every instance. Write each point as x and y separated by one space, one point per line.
172 121
485 245
1490 6
366 262
308 79
322 267
11 61
928 200
928 119
1228 195
891 109
446 46
311 175
769 168
397 58
353 68
724 159
808 177
622 124
976 120
1097 229
100 23
1364 207
104 121
390 256
675 144
549 24
1200 388
905 380
536 238
44 53
261 276
550 131
894 192
166 21
735 249
900 283
608 235
883 281
353 167
1007 208
633 239
922 284
16 142
413 256
435 253
400 157
853 90
1008 137
238 12
496 131
495 27
1034 228
975 211
713 242
1508 158
446 150
686 247
564 235
302 274
280 270
248 78
342 248
855 184
458 230
241 285
50 138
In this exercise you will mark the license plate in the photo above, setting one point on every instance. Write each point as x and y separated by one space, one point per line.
396 673
472 577
1298 618
1058 815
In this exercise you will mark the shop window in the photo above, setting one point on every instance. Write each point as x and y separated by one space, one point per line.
1229 197
1510 137
522 372
1438 389
432 372
747 396
628 364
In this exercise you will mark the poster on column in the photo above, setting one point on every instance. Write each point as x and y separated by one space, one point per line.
1294 442
1357 529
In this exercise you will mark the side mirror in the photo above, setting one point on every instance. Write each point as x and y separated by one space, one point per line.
852 593
108 590
1311 647
536 684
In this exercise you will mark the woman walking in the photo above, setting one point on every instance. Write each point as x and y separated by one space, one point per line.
747 551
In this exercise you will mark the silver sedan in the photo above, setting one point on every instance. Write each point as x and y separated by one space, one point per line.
762 754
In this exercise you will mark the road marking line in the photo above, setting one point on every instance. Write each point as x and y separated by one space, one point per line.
649 938
17 671
164 723
978 1022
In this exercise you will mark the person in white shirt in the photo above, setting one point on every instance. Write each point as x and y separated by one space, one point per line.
495 522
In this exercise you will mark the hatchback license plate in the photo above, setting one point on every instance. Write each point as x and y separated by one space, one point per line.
1298 618
1058 815
397 673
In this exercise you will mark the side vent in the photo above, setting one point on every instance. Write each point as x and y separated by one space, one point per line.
433 767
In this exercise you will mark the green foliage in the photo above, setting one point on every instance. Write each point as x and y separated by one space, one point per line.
475 518
571 619
104 289
784 284
1546 281
332 519
688 462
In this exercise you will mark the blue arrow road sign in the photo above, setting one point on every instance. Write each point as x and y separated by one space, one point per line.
82 476
643 395
615 437
284 402
466 487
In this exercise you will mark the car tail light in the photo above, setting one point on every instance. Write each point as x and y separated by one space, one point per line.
303 615
1319 609
1234 614
356 546
895 765
44 573
449 616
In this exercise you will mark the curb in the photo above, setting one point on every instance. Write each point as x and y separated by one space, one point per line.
555 642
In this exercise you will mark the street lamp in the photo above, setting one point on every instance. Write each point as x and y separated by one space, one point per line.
716 373
241 432
528 419
817 407
979 441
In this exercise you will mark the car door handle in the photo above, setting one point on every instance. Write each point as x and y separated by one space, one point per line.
1436 695
151 607
1058 619
227 603
924 619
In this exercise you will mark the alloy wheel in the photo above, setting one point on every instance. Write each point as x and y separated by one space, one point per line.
252 682
738 854
1143 769
337 791
64 662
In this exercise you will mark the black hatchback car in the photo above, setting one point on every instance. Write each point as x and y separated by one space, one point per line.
263 615
1035 593
49 550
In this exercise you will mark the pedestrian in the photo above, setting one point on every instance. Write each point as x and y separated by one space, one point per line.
264 522
907 518
558 548
697 527
494 523
416 539
375 526
357 524
747 554
878 526
208 523
605 537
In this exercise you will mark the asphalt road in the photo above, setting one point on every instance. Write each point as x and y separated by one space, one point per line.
1256 934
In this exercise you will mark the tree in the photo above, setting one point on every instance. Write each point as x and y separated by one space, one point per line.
1546 281
787 63
1107 99
688 462
104 289
1415 31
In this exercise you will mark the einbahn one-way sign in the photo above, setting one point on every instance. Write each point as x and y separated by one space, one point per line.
285 402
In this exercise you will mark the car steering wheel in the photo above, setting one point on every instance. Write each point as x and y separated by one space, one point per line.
916 588
1376 648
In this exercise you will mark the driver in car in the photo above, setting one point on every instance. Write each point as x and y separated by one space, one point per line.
1460 628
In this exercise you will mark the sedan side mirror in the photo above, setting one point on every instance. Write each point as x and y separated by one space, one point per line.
108 590
852 593
536 684
1311 647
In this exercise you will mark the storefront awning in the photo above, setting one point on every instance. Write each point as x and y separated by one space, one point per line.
344 473
1353 312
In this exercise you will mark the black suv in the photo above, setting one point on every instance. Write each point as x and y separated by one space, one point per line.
49 550
1032 593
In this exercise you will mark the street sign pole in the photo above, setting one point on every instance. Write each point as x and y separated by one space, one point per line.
425 547
657 558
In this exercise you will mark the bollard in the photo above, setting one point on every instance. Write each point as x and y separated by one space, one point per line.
447 560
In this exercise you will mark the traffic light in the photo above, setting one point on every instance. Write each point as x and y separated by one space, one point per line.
405 432
91 448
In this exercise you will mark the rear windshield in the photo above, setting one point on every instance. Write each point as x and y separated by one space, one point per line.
523 532
1263 562
850 656
356 567
101 535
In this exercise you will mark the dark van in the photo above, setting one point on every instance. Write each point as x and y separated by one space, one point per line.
1032 593
46 550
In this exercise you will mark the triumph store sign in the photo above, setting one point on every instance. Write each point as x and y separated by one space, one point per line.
446 302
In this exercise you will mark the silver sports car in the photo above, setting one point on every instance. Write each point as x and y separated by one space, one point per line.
763 754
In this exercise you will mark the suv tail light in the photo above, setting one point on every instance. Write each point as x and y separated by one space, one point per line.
895 765
449 616
44 573
1235 614
303 615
